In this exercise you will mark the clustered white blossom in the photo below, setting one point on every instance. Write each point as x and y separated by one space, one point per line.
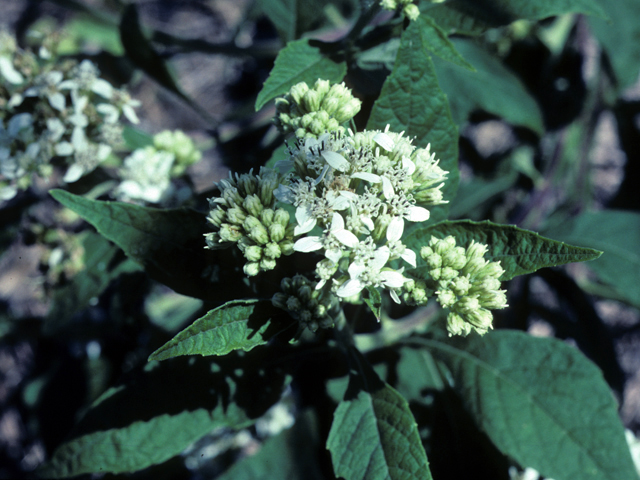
54 107
352 194
146 174
357 191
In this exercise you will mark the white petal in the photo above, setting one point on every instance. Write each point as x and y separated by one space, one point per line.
352 197
394 296
8 192
369 177
9 72
304 227
380 258
63 149
102 88
384 141
367 222
387 188
356 269
337 222
340 203
130 113
336 160
395 229
409 256
407 164
417 214
350 288
308 244
74 173
392 279
333 254
109 111
306 222
346 238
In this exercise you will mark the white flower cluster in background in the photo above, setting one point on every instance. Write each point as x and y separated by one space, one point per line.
146 174
54 107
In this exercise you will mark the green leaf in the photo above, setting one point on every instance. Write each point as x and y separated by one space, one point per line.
473 194
471 17
283 457
519 251
102 262
493 88
617 233
157 413
411 101
239 324
528 395
135 138
374 435
299 62
169 245
374 301
620 38
435 40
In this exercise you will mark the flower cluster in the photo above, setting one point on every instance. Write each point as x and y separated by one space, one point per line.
310 112
53 107
408 8
146 173
359 189
467 284
312 307
245 214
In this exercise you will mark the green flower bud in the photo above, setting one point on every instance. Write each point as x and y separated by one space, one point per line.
253 253
267 264
269 181
236 215
253 205
279 300
251 269
214 241
247 184
322 87
266 217
456 325
448 273
298 91
433 261
446 298
286 247
294 304
216 217
230 233
272 250
311 101
276 232
255 230
281 217
460 285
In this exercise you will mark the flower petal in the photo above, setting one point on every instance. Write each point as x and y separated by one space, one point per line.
395 229
409 256
308 244
392 279
350 288
384 141
369 177
346 238
417 214
336 160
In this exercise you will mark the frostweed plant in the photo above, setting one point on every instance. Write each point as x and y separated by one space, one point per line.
335 272
54 107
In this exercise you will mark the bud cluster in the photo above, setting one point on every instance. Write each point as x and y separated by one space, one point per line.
467 284
180 146
312 307
51 107
245 214
310 112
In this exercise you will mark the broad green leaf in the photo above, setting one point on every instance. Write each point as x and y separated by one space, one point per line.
411 101
102 262
239 324
167 243
374 435
136 138
519 251
299 62
620 38
157 413
169 310
541 402
283 457
493 88
435 40
374 301
615 232
471 17
83 30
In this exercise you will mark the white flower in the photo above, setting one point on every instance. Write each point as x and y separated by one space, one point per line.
147 175
48 85
333 241
394 234
370 273
8 71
